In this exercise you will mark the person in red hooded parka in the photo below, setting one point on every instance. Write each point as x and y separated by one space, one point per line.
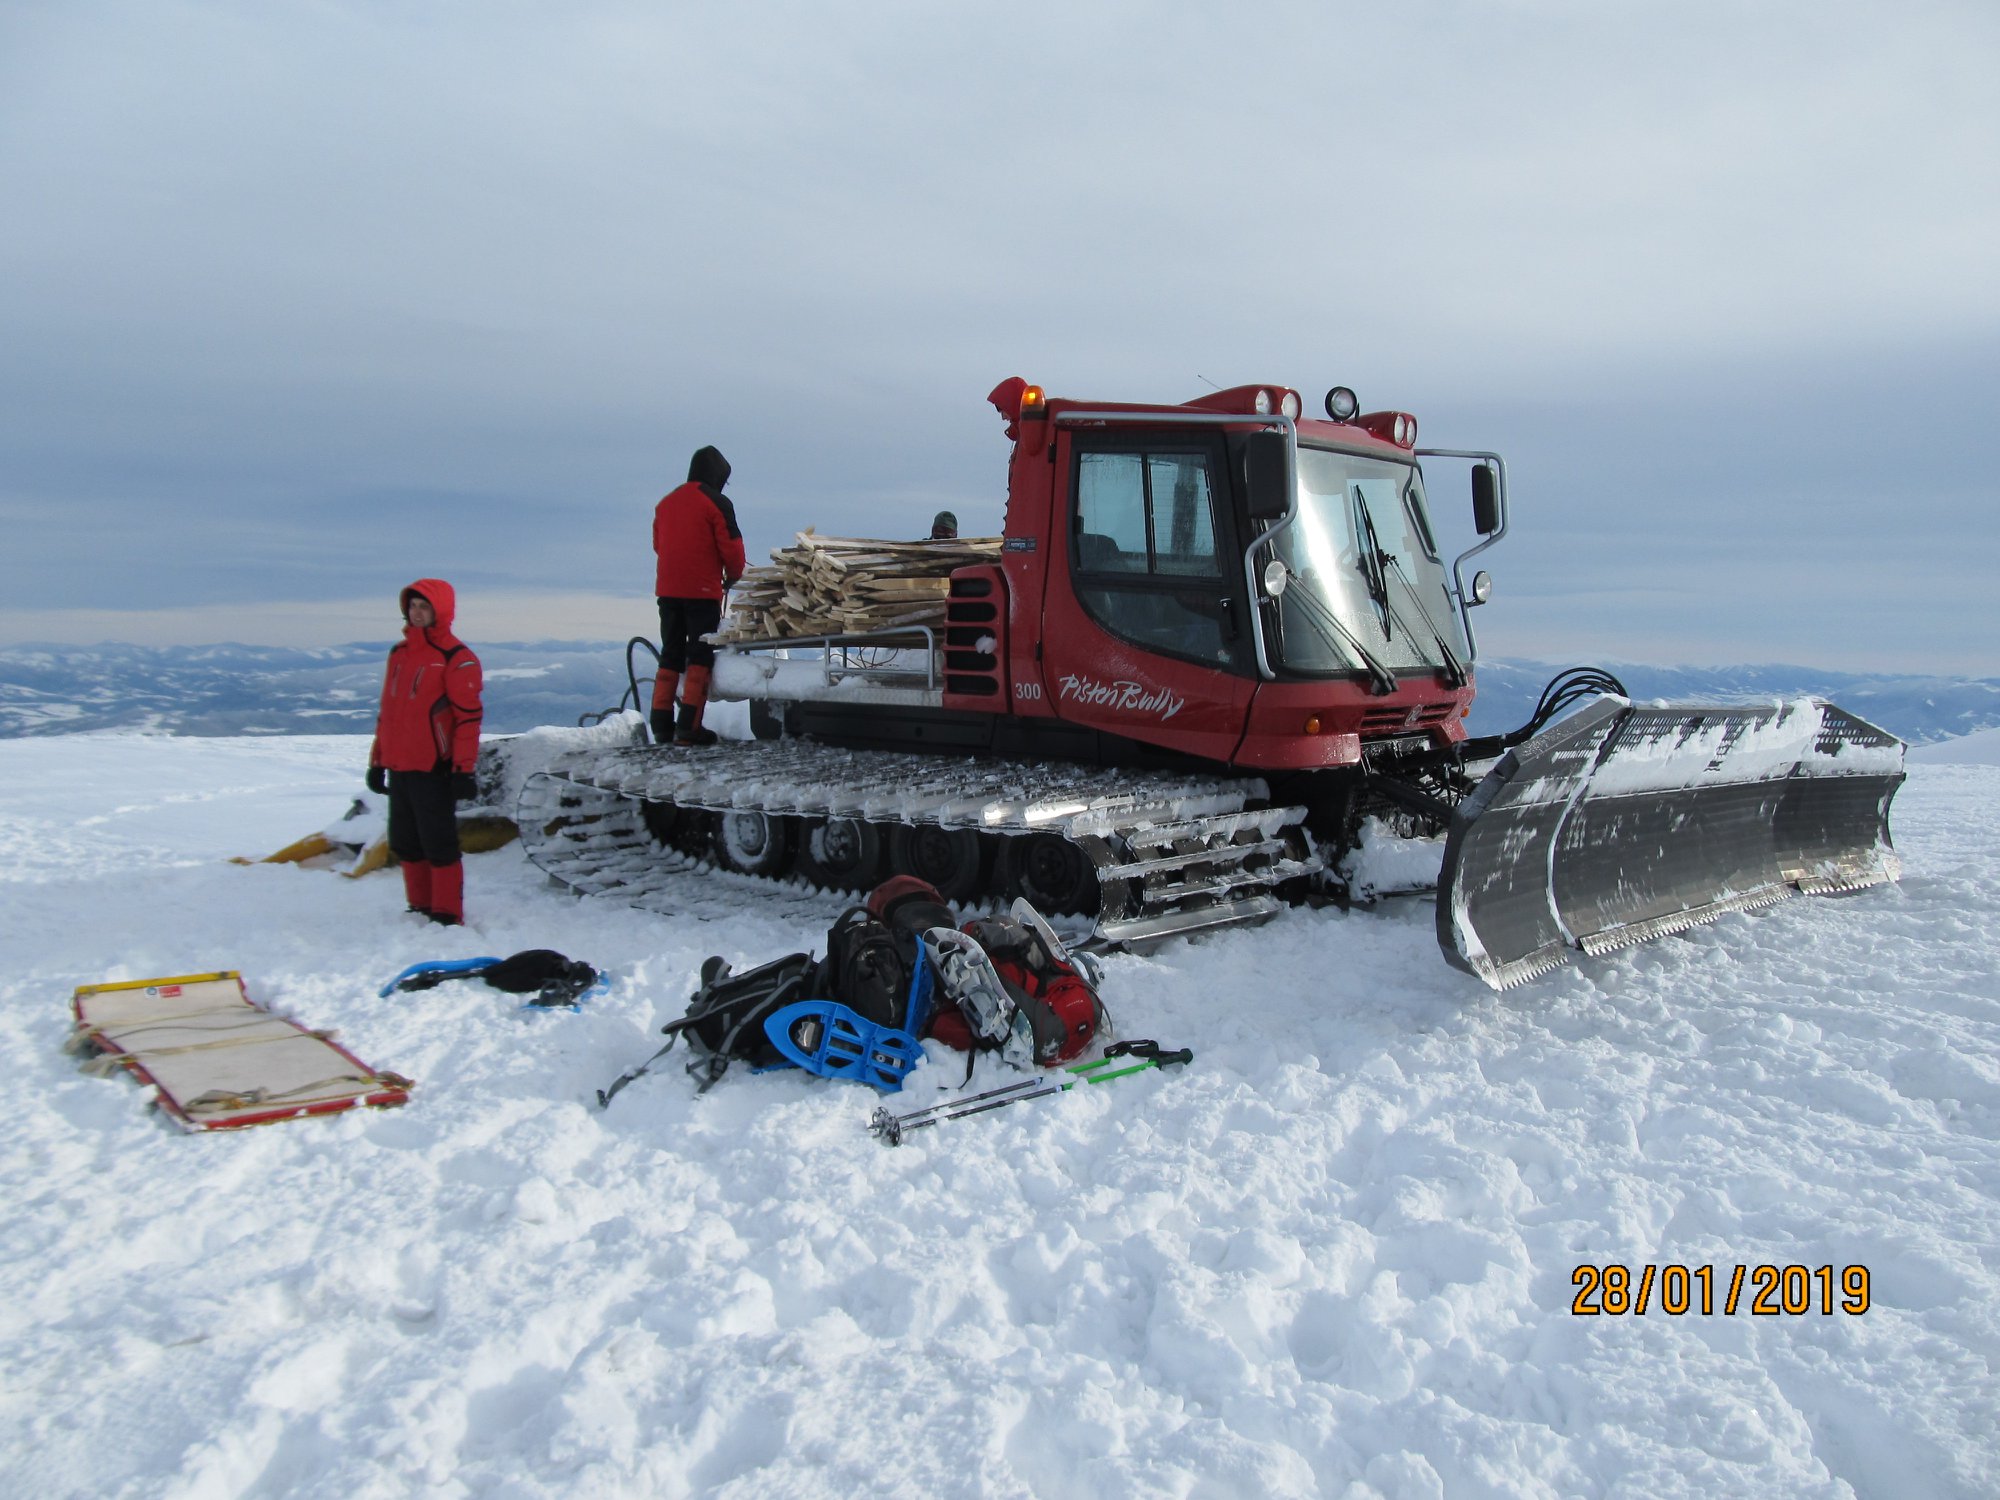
700 551
426 745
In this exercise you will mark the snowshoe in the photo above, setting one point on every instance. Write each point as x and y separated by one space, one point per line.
1060 954
970 982
826 1038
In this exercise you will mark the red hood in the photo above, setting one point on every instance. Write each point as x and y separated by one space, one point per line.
443 598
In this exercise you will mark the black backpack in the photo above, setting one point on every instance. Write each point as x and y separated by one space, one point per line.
872 953
725 1018
872 950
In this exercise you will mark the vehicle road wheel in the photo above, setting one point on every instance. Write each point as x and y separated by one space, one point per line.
672 827
955 860
840 854
753 843
1050 871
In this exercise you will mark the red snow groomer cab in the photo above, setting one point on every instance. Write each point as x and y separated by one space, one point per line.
1222 579
1221 641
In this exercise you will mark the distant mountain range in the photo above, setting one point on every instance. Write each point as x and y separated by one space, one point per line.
1921 710
231 689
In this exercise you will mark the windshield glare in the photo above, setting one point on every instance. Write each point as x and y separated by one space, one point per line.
1339 495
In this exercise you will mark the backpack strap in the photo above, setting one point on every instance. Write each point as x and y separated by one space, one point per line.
717 1062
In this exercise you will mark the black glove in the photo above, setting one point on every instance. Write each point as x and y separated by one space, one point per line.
378 780
463 787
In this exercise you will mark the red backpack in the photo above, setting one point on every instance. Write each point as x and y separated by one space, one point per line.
1042 979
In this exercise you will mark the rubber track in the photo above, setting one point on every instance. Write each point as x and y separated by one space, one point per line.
1174 854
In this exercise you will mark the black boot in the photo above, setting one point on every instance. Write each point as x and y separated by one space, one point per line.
662 722
689 731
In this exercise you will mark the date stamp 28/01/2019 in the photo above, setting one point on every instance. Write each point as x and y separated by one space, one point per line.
1676 1290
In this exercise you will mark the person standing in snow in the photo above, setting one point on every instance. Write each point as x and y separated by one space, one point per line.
426 744
700 552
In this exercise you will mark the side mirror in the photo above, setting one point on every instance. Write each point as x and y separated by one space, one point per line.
1485 500
1266 493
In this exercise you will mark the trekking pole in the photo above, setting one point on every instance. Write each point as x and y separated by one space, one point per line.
713 971
892 1128
605 1096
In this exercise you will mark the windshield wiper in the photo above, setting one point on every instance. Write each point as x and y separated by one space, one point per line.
1378 588
1455 674
1370 563
1320 617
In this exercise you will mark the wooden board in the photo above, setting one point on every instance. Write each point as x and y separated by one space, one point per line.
833 585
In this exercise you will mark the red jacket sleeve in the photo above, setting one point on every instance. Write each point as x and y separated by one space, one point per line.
462 683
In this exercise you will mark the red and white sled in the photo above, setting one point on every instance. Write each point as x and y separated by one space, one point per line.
220 1060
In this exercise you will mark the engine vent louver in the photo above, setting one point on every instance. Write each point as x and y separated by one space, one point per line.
974 632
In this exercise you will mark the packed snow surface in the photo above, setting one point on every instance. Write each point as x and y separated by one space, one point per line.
1335 1256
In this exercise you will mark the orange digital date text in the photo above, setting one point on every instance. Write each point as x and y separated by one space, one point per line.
1767 1291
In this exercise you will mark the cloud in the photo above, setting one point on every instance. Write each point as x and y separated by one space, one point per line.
297 298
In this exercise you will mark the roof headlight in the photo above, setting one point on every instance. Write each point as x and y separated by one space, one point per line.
1262 402
1342 404
1289 404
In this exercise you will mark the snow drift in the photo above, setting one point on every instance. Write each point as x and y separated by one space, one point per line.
1334 1256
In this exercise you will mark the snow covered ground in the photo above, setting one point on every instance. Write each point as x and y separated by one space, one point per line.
1333 1257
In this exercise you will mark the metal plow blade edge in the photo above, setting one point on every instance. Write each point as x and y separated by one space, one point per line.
1625 823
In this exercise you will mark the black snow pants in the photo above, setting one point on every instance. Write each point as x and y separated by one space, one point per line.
423 817
683 623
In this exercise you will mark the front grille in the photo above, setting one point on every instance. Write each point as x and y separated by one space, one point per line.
1416 716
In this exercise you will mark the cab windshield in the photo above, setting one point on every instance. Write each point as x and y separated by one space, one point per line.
1366 580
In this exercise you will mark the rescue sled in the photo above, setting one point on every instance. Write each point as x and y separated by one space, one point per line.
219 1060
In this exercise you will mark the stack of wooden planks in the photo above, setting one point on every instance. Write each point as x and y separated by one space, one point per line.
838 585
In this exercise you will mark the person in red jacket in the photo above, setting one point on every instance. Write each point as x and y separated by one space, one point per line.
426 744
700 552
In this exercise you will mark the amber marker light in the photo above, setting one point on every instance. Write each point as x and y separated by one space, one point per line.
1312 724
1033 402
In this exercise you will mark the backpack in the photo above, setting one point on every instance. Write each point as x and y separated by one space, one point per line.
873 953
725 1019
854 1014
1053 989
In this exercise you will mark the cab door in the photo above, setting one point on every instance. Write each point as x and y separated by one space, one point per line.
1150 638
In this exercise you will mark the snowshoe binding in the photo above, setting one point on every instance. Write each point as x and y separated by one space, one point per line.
969 981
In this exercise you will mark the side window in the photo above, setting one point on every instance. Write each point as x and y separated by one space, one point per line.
1183 515
1413 501
1146 513
1111 512
1148 559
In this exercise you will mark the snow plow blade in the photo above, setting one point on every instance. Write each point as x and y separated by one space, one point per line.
1625 823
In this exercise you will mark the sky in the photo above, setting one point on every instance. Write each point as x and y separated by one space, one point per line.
300 302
